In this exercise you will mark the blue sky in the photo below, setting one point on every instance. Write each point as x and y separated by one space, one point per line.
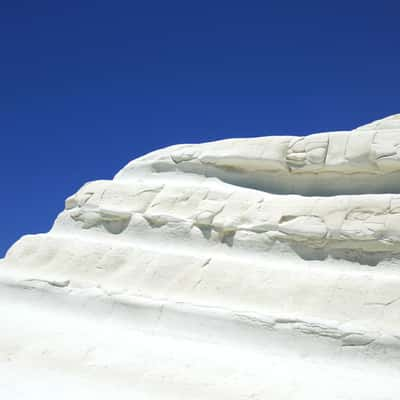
87 86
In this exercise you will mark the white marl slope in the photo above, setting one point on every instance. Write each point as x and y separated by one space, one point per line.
238 269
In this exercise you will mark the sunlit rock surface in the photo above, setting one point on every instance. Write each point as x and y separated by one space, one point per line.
265 268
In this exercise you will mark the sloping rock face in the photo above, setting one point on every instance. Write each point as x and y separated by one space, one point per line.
238 269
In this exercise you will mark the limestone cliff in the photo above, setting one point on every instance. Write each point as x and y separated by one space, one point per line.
279 256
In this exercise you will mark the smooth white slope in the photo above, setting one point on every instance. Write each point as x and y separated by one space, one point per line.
83 344
240 269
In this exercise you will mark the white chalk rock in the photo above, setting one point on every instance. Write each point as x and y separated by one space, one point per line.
265 268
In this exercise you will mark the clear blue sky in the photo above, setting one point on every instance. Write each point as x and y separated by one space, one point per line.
87 86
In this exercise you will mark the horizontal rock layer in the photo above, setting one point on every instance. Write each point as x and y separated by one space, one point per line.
366 160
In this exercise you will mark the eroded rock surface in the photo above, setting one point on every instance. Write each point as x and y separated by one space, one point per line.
275 255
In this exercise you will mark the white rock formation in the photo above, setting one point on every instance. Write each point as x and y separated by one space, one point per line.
265 268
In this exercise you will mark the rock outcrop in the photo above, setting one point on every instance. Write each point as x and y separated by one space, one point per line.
241 269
